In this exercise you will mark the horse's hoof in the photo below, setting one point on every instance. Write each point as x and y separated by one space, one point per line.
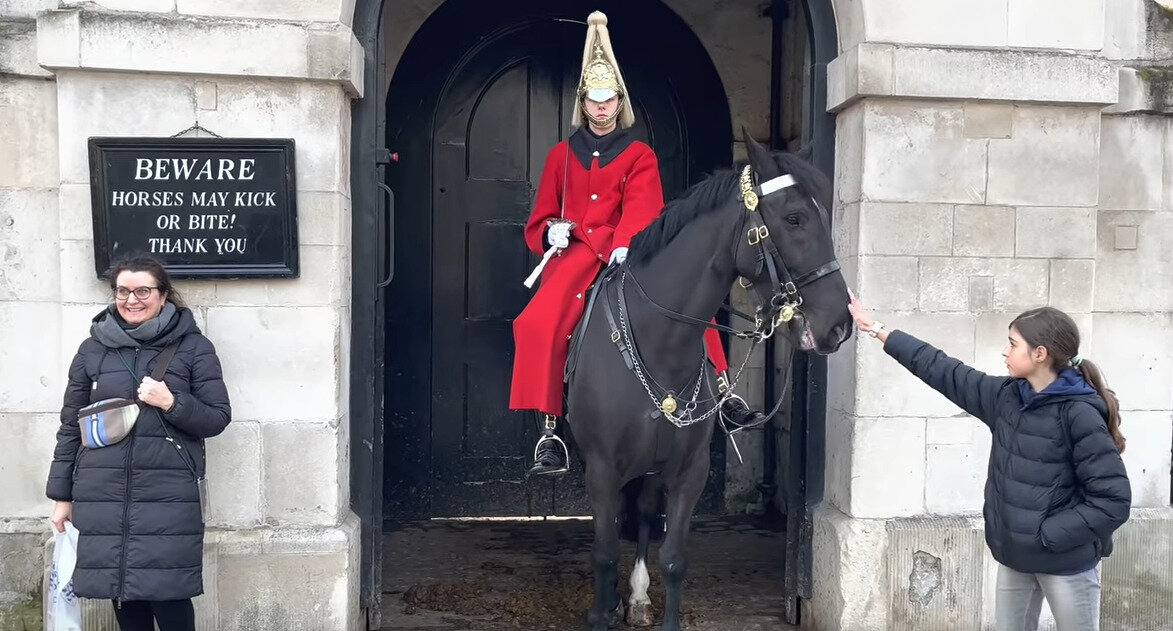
640 615
616 616
614 619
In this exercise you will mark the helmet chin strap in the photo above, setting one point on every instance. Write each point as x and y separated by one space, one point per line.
600 123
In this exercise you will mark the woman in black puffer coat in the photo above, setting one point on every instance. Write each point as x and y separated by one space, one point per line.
1057 487
136 503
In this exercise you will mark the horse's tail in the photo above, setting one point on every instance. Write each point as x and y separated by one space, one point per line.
643 506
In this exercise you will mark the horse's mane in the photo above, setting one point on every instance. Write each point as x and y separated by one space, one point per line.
705 196
714 192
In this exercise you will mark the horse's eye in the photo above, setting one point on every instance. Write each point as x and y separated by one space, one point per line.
793 219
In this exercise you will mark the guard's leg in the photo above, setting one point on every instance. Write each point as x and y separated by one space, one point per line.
550 454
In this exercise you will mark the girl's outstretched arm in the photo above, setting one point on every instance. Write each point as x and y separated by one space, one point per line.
970 389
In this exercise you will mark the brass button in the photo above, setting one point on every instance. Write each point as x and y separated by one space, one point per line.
589 230
594 196
595 154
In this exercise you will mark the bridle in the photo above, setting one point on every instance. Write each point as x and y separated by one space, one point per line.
779 302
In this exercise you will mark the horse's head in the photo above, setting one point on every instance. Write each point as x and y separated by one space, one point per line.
786 253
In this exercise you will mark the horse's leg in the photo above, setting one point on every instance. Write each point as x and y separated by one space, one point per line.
682 499
639 606
603 488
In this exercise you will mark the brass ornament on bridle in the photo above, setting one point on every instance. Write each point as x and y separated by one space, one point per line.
669 405
755 235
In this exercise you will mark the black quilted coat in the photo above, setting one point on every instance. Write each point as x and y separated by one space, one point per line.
1056 489
136 503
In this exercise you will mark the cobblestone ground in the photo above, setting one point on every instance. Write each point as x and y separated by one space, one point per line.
498 576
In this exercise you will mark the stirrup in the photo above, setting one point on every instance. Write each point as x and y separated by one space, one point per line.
726 397
552 437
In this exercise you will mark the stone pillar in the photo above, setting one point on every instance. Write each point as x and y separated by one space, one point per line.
970 183
282 545
31 373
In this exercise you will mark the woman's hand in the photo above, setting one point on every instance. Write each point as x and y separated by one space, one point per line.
156 393
62 512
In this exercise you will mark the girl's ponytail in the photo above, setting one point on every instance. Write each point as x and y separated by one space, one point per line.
1091 373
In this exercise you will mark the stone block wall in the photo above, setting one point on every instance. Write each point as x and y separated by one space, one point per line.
31 374
978 174
280 529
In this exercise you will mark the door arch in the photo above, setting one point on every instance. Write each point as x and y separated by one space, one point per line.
479 97
370 237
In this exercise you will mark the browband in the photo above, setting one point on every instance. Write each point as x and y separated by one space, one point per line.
774 185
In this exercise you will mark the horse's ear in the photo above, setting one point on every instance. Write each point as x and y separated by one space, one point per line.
758 155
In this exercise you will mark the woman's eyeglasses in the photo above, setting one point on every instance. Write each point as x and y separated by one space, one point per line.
142 293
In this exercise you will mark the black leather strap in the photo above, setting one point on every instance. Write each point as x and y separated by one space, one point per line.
163 361
616 334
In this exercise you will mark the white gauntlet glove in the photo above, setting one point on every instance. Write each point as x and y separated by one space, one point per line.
558 234
618 255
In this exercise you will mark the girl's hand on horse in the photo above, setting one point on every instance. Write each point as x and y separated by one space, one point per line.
863 318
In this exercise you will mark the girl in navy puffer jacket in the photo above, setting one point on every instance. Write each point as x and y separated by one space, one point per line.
1056 489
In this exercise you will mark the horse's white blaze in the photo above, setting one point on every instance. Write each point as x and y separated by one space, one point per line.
639 584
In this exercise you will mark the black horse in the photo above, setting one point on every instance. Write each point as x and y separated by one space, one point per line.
646 367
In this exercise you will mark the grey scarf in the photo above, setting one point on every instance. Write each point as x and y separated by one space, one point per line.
110 333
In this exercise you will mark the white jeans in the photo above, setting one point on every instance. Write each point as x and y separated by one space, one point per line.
1074 600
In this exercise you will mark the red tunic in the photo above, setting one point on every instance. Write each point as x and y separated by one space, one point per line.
609 205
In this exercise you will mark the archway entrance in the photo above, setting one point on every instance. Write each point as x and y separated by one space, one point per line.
393 344
481 94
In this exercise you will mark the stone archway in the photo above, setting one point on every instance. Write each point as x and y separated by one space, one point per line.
368 333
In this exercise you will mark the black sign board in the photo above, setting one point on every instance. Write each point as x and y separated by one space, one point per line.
208 207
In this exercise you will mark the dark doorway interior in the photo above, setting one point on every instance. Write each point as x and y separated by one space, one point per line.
480 95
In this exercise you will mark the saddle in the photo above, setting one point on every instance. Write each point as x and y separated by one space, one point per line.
600 281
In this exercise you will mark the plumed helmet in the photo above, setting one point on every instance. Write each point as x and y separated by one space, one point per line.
601 78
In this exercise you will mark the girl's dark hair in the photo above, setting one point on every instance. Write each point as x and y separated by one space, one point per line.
1056 331
142 262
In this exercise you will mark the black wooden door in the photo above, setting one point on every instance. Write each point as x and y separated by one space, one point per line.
477 102
493 127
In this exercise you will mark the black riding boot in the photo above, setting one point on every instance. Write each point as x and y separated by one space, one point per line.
739 413
550 454
734 408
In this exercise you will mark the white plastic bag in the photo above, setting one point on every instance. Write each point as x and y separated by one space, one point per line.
63 612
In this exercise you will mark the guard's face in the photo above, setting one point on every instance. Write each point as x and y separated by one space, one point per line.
601 113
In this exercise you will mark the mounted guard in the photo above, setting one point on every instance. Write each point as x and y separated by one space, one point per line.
599 188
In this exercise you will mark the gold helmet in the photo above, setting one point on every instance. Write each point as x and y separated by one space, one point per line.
601 79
